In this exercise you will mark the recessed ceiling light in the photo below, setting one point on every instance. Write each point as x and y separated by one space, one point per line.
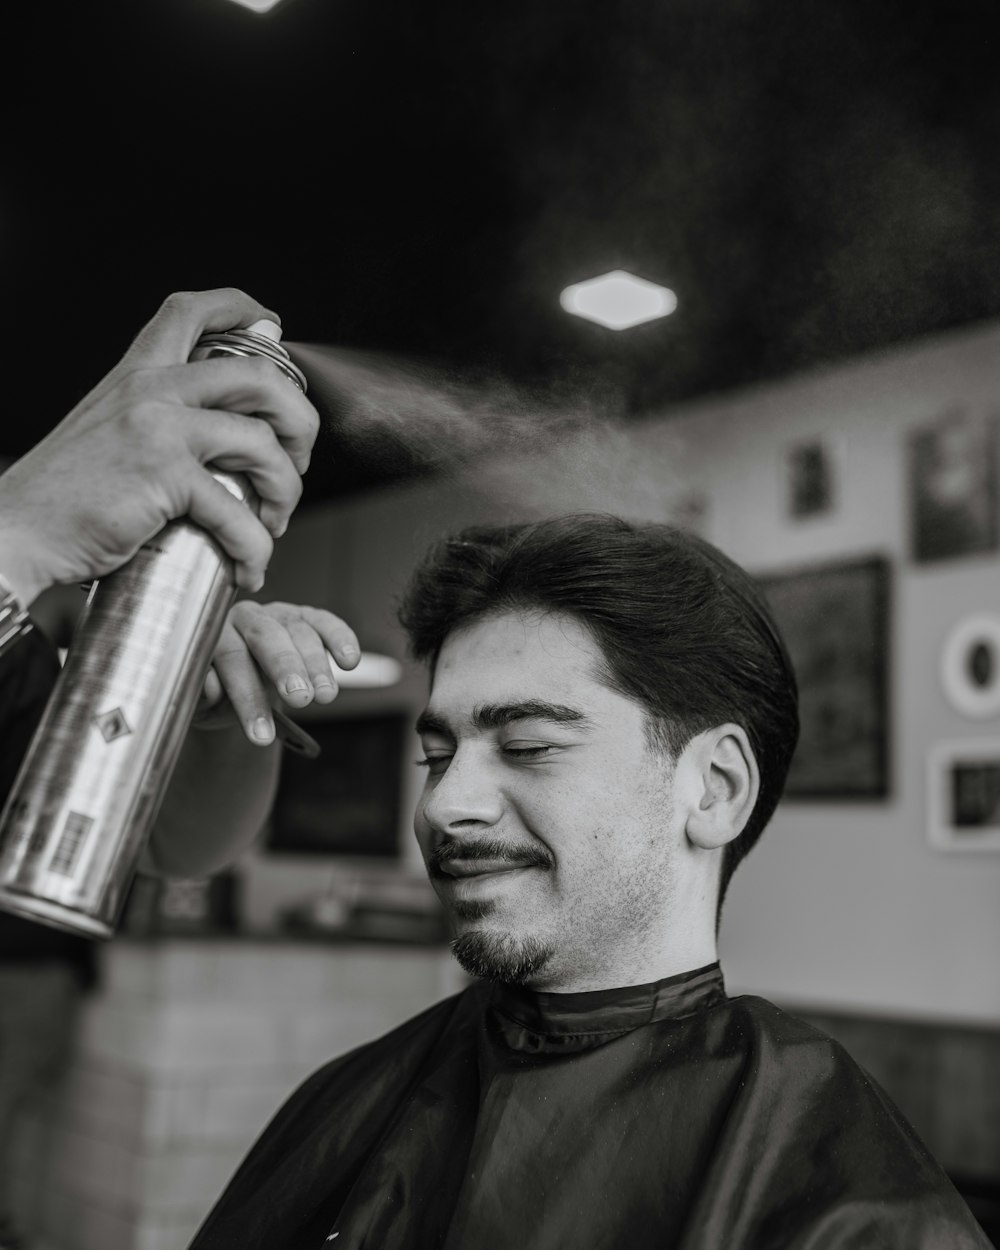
618 300
258 6
372 671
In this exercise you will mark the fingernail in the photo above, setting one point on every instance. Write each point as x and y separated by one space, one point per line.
349 651
294 684
262 729
322 682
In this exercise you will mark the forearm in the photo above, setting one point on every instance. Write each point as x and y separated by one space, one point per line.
217 802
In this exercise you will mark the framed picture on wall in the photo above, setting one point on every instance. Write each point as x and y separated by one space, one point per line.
963 795
970 666
347 801
953 486
809 471
835 622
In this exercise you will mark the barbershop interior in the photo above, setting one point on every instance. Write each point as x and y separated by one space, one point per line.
732 269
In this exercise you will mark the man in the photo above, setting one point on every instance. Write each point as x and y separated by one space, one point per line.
134 454
611 718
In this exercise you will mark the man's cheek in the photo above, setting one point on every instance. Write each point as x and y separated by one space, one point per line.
422 832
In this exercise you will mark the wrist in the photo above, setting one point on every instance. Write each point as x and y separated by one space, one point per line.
14 619
20 569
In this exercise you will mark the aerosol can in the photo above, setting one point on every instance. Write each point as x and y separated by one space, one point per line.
85 799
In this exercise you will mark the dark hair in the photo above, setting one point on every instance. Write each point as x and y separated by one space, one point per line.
683 630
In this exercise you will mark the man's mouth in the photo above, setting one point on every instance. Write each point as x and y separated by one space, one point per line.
479 867
452 860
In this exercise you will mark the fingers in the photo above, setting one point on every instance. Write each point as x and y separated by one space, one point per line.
281 650
290 644
317 635
243 685
240 445
241 535
172 410
256 387
211 702
275 653
337 636
218 395
169 337
315 664
212 692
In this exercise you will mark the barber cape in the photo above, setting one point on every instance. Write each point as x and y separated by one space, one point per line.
664 1115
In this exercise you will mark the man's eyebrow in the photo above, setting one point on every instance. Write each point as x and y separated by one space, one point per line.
429 723
496 715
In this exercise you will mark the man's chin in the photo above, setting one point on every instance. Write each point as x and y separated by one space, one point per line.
468 911
496 955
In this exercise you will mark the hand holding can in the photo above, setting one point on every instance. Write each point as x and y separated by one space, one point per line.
136 452
89 789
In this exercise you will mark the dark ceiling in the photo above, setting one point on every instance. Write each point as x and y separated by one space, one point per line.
421 180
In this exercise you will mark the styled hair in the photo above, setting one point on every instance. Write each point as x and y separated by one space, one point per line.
683 630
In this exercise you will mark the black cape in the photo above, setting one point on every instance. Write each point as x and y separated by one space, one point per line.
665 1116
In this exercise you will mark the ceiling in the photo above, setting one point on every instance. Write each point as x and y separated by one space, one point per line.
417 182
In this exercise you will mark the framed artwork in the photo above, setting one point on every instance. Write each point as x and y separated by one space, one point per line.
346 801
963 795
952 466
834 619
970 666
809 478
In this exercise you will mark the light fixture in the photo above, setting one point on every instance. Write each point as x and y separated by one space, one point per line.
618 300
372 672
257 6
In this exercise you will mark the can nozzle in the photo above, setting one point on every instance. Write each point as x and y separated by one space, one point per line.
269 329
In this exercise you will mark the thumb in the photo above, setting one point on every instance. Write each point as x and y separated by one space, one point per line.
182 318
212 691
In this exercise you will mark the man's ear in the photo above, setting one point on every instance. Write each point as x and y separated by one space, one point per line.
727 783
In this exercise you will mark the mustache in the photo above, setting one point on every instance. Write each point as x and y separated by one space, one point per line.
493 849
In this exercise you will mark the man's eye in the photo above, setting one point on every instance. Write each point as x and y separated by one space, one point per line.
435 764
528 752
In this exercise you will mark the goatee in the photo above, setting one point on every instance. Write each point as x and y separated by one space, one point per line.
497 956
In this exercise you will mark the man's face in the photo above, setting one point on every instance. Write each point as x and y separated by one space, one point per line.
547 821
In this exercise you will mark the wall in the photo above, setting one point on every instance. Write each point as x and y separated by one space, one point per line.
841 906
181 1060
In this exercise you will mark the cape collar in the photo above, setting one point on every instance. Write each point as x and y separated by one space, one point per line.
534 1022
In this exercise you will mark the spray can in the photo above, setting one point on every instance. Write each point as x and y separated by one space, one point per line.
90 786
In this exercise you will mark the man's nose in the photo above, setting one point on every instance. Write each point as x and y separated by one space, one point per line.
465 795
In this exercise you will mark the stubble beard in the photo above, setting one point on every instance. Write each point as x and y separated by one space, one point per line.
495 954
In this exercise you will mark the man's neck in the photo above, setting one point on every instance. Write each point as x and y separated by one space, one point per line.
585 979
